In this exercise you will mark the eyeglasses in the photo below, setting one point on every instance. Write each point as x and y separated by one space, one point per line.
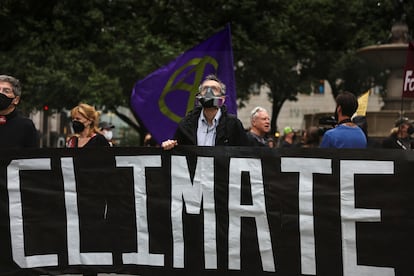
216 89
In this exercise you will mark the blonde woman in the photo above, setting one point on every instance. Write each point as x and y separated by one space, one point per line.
85 120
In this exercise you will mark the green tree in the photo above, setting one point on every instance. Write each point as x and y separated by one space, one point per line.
94 51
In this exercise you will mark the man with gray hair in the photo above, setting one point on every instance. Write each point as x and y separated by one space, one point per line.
259 126
16 131
209 124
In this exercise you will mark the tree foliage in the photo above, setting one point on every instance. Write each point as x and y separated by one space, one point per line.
66 52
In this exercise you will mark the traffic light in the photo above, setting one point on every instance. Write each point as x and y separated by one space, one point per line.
45 107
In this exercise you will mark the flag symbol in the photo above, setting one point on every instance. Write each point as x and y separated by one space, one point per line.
165 96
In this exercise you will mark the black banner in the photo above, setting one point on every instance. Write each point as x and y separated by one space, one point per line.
206 211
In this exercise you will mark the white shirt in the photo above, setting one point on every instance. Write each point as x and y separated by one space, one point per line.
206 134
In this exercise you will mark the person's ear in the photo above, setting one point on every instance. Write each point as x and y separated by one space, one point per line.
16 100
253 122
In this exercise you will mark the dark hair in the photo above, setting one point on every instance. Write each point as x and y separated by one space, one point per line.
348 103
312 137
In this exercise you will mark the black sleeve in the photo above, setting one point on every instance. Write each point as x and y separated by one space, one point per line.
388 143
31 137
243 140
236 133
98 141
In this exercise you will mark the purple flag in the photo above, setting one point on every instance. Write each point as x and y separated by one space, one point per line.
165 96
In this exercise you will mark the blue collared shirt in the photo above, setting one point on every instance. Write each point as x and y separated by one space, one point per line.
206 134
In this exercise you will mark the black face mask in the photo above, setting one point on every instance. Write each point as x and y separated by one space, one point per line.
77 126
5 101
210 100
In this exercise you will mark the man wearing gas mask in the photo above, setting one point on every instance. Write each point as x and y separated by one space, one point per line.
209 124
16 131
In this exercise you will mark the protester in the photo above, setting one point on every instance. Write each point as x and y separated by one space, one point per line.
16 131
271 143
346 133
310 138
209 124
400 135
85 120
259 126
106 130
288 138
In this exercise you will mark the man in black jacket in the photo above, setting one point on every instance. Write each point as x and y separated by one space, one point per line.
209 124
16 131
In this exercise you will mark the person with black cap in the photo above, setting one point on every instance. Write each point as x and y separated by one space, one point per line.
16 131
106 130
400 135
209 124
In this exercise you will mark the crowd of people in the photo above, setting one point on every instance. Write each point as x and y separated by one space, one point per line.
17 131
349 131
208 124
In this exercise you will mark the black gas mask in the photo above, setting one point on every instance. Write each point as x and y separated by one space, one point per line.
209 99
